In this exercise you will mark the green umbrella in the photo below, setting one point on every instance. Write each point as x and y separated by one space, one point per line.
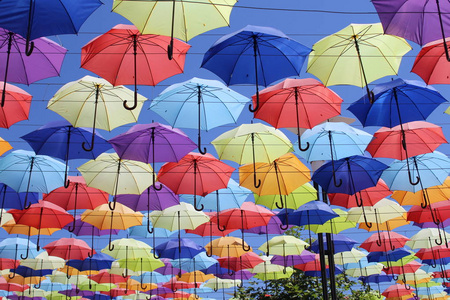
335 225
349 257
304 194
284 245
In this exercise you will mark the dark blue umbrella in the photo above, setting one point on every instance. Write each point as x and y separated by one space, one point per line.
255 54
349 175
314 212
33 19
341 243
29 272
397 102
98 261
174 249
376 278
391 255
61 140
318 273
9 198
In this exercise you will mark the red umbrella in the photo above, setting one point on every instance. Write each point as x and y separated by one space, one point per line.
68 248
384 241
397 290
17 106
422 137
438 212
7 263
124 56
105 277
55 216
248 216
436 252
195 174
12 287
300 103
246 261
175 285
370 196
431 63
116 292
77 196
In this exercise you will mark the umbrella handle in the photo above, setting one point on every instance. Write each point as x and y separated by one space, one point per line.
240 285
112 204
230 272
282 203
66 181
300 146
155 255
37 286
444 44
125 105
157 188
440 241
143 287
282 226
71 229
246 249
254 109
170 50
26 255
29 47
110 247
195 204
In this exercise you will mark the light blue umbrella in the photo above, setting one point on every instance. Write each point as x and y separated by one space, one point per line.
199 103
17 248
231 197
152 277
431 168
333 140
199 262
24 171
48 285
141 230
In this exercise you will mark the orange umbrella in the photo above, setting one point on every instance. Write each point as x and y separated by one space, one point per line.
227 246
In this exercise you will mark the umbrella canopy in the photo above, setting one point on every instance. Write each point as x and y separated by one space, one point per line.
300 103
18 105
303 194
255 54
314 212
177 217
199 104
335 225
68 248
195 174
396 240
430 62
178 248
95 103
370 195
436 193
227 246
362 50
284 245
114 175
151 199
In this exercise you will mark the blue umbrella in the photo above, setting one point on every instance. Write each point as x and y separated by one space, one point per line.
152 277
33 19
61 140
25 171
12 199
397 102
314 212
255 54
391 255
199 262
231 197
13 248
29 272
199 104
340 242
338 270
175 249
376 278
98 261
48 285
349 175
334 140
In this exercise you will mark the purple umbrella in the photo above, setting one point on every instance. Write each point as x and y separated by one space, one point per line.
292 260
168 269
241 274
420 21
86 229
140 142
16 67
76 292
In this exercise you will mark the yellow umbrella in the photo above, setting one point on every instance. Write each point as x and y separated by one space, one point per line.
102 217
334 225
388 225
43 261
96 103
304 194
357 55
134 285
435 194
196 276
227 246
284 245
180 19
349 257
12 228
282 176
117 176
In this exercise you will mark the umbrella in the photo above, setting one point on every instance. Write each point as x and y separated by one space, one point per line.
282 176
370 195
103 217
114 175
123 55
50 216
25 171
183 19
335 225
199 104
314 212
94 102
419 21
195 174
141 141
77 195
422 239
436 193
394 239
284 245
251 143
362 50
352 256
431 61
303 194
227 246
340 242
19 68
249 215
313 103
255 54
18 107
61 140
33 20
68 248
397 291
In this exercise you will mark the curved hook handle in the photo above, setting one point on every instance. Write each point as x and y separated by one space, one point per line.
135 103
246 249
257 101
407 287
424 204
170 50
37 286
91 253
230 272
29 47
215 289
26 254
202 151
13 275
221 229
336 184
395 277
157 188
283 226
125 275
86 148
256 183
71 228
110 246
112 204
379 241
240 285
304 149
440 241
155 255
195 204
